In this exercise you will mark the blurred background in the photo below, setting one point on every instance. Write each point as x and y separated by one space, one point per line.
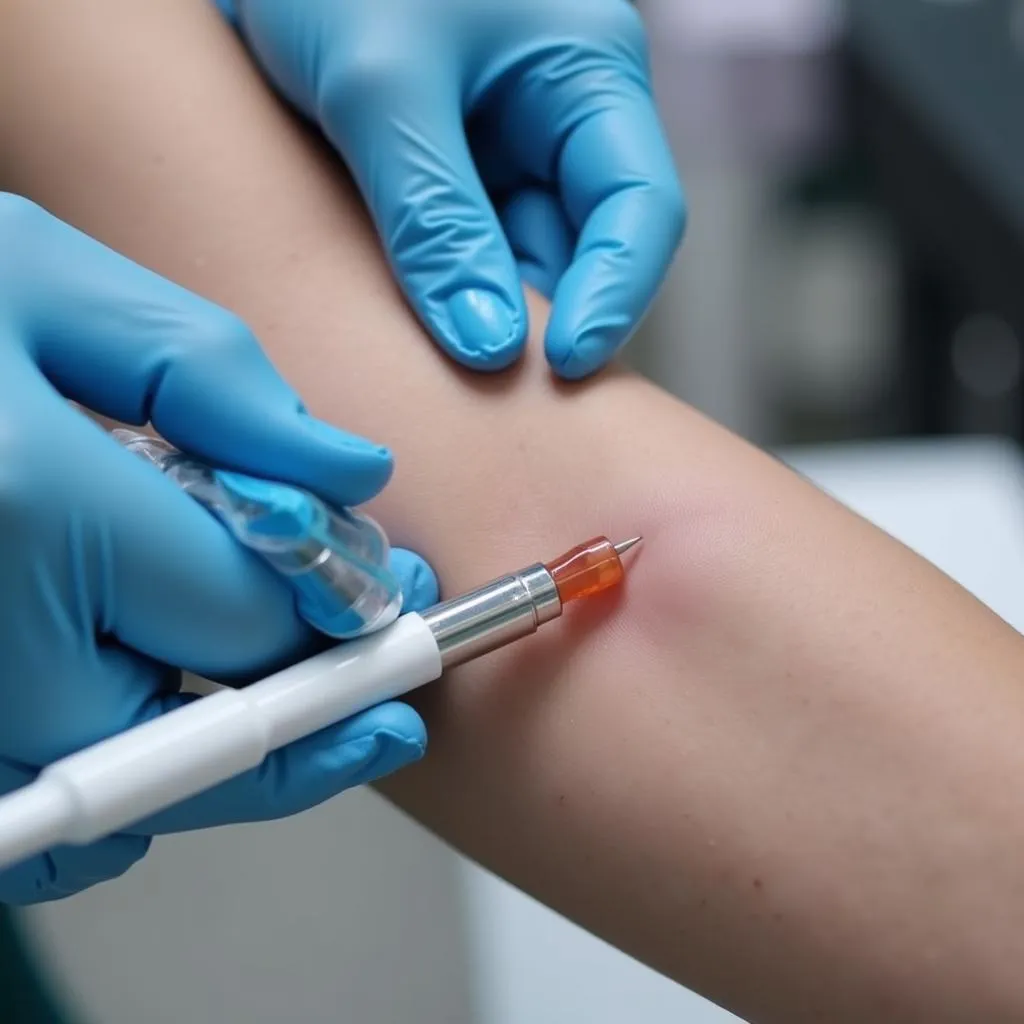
851 294
856 175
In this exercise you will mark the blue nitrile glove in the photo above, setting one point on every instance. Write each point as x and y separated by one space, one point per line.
564 141
109 575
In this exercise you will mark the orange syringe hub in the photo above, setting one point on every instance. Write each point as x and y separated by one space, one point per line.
589 568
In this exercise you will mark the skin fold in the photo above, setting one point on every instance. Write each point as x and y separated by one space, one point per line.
777 765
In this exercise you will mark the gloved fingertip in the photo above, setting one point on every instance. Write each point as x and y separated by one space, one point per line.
384 753
419 582
380 741
349 444
394 718
363 467
581 357
488 332
587 327
101 861
67 870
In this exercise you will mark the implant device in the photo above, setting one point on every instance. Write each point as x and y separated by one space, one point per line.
128 777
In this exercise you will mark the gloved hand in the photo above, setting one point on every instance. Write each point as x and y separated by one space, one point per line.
564 142
109 575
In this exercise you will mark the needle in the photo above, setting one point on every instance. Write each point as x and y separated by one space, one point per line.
621 549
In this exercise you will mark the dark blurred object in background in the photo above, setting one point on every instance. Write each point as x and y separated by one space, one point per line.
855 262
937 105
24 998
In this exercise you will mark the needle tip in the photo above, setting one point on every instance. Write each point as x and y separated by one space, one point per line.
626 545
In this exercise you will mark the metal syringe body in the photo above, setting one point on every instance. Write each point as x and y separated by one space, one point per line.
494 615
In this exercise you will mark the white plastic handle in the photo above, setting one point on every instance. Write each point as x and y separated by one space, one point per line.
146 769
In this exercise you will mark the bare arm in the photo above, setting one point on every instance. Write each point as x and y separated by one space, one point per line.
779 767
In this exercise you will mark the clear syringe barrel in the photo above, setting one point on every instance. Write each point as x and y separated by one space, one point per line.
336 560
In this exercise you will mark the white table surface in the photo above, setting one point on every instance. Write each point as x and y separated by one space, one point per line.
352 915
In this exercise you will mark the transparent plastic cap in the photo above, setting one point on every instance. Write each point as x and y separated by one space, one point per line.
336 560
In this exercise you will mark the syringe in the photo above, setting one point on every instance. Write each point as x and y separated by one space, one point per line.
128 777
